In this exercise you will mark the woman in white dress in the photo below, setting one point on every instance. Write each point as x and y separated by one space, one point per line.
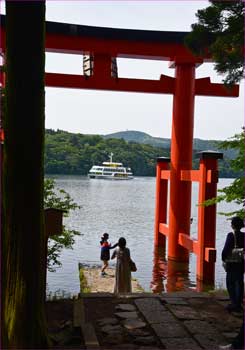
123 271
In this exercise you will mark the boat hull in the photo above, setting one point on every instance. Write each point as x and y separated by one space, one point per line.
110 177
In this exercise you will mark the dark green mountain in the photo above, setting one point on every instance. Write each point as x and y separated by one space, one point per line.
142 137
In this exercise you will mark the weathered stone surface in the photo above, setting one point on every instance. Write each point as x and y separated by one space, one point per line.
128 346
149 340
222 297
125 307
154 311
126 315
230 335
176 301
209 341
158 316
200 327
180 344
107 320
198 301
169 330
111 328
148 348
114 338
149 304
187 294
138 332
133 324
184 312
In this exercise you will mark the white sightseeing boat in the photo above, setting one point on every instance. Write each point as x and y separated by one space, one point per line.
110 170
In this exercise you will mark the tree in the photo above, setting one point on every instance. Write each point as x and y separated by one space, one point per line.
220 30
58 199
235 191
23 240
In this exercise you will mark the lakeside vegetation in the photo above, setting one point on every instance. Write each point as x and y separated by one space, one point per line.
74 154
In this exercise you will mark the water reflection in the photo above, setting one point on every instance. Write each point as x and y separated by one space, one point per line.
172 276
169 276
159 271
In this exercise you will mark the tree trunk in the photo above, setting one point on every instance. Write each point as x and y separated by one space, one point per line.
23 239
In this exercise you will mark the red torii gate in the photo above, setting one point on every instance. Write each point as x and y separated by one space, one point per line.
106 44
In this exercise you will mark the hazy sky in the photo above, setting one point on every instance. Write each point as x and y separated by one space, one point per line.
97 112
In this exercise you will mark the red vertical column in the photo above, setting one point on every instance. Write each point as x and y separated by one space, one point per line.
181 158
161 200
207 216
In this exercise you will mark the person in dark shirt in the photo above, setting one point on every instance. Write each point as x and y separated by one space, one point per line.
234 270
105 252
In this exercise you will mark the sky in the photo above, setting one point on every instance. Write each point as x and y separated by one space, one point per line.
99 112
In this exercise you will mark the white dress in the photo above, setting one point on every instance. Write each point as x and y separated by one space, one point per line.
123 272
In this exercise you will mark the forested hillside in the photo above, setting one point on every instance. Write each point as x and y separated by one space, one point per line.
69 153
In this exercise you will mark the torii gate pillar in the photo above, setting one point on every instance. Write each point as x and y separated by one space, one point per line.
181 158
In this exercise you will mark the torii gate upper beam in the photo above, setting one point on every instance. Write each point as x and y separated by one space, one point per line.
105 43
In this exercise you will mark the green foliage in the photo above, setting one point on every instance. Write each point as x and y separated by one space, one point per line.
220 30
58 199
235 191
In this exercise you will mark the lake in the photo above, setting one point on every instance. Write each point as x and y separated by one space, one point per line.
126 208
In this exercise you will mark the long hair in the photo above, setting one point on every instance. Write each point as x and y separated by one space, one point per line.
122 242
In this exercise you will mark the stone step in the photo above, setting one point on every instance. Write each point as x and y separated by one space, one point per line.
87 329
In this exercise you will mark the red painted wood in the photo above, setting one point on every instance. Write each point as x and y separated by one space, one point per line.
161 203
181 159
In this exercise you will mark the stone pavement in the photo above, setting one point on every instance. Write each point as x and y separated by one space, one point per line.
141 321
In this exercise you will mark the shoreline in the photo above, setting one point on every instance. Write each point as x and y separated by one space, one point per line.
92 282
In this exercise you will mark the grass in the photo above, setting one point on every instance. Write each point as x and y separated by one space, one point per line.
84 288
59 294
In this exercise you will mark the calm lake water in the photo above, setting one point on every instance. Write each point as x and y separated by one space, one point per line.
125 208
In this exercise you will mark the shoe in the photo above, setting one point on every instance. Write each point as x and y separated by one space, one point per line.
226 347
233 308
102 274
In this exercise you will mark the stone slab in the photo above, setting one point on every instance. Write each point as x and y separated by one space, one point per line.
154 311
126 315
187 294
114 338
209 341
111 328
180 344
175 301
184 312
138 332
160 316
90 338
133 324
149 304
169 330
200 327
107 321
148 340
125 307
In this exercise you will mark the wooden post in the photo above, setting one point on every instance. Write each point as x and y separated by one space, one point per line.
206 256
181 158
161 200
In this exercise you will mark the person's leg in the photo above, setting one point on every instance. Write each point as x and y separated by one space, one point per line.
105 262
238 288
231 287
238 342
